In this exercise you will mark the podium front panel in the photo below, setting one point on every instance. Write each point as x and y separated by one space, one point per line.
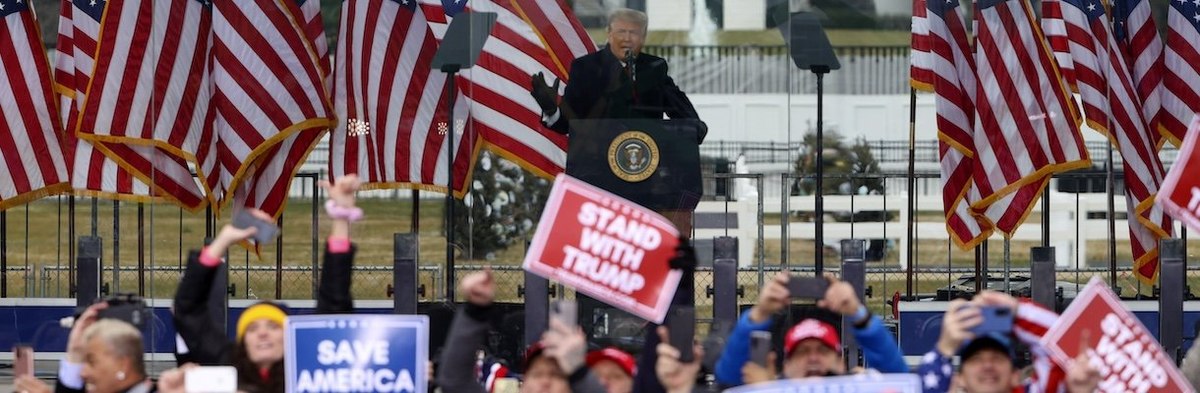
654 163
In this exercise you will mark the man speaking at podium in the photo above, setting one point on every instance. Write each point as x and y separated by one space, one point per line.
616 82
620 82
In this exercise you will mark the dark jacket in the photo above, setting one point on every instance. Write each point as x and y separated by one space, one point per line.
208 344
600 88
456 368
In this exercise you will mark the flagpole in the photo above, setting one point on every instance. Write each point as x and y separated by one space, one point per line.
415 224
450 71
71 246
4 253
1110 190
912 169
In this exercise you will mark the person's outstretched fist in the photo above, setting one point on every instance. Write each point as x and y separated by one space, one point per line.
342 190
479 287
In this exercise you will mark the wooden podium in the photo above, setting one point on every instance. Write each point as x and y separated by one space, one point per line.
654 163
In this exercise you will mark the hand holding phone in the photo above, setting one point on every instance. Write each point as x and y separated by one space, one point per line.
266 230
760 346
565 311
22 360
807 287
681 324
996 319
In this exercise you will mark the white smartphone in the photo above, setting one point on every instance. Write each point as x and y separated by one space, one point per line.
210 379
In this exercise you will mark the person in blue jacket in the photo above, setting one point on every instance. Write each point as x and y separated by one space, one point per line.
813 348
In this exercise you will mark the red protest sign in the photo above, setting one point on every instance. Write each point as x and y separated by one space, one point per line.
606 247
1118 345
1180 192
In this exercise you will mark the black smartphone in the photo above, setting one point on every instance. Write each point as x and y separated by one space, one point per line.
267 231
126 307
807 287
22 360
565 311
681 324
995 320
760 346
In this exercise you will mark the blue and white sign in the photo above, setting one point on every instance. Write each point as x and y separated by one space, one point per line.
356 353
861 383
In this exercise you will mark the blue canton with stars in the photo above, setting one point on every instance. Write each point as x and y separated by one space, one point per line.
1189 9
1094 9
942 8
411 5
9 7
1121 10
453 7
92 8
985 4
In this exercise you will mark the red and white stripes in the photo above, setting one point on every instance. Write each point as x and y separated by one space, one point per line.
29 128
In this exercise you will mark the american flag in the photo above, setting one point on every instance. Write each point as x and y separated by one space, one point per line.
150 88
530 36
1111 105
942 61
920 68
390 102
1181 66
29 129
92 173
269 99
1137 38
1028 126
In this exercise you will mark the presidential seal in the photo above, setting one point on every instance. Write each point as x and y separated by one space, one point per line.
633 156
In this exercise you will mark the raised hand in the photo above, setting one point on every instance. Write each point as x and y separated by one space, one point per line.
231 235
545 94
772 298
479 287
76 345
342 190
960 317
675 376
840 297
566 345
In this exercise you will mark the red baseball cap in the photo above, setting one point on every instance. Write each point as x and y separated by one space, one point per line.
531 353
622 359
812 328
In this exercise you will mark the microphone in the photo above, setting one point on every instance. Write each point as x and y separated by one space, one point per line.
629 68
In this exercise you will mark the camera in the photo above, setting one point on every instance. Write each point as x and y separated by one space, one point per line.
126 307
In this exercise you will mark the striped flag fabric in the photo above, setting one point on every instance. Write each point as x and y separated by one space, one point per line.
308 15
1111 104
494 109
920 69
942 62
1137 37
530 36
150 89
1181 66
390 103
92 173
30 149
1027 127
269 98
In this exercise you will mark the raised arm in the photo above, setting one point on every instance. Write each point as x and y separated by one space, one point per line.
456 370
206 341
333 297
879 346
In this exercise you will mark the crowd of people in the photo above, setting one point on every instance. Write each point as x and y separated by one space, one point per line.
107 355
